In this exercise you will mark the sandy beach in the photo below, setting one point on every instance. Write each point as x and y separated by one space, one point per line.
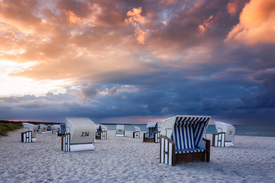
124 159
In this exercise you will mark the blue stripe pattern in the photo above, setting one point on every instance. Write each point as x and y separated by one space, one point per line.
188 132
183 151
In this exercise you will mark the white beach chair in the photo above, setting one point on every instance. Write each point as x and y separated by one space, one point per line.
225 135
30 134
120 132
80 133
42 128
56 129
182 140
136 133
101 132
153 133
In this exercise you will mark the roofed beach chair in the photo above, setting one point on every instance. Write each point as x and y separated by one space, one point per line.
62 130
42 128
49 128
153 133
136 133
225 135
79 136
104 128
56 129
120 132
101 132
181 140
30 134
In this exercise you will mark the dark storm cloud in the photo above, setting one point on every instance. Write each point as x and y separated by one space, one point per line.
185 62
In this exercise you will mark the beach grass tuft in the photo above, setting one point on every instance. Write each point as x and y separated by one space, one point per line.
6 127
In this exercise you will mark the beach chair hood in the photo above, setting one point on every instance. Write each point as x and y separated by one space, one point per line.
82 130
104 128
183 124
120 127
137 129
227 128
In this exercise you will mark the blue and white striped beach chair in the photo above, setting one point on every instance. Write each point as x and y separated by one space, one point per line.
153 133
181 140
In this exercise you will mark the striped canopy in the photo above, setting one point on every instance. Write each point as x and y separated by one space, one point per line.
151 124
187 131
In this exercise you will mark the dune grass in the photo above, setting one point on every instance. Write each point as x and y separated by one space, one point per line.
6 127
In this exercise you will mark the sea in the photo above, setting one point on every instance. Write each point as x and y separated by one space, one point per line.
248 130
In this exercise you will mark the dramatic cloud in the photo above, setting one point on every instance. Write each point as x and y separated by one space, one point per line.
257 24
232 7
137 61
84 94
206 24
136 19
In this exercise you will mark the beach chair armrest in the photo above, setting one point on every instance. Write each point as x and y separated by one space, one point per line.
144 136
206 145
169 140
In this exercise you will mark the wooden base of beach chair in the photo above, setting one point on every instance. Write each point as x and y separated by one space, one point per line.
168 156
97 137
155 139
190 157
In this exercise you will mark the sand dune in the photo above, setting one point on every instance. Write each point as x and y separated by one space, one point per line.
124 159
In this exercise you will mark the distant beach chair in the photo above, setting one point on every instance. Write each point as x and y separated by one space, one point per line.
101 132
136 133
153 133
79 136
120 132
181 140
42 128
30 134
56 129
62 130
225 135
49 128
104 128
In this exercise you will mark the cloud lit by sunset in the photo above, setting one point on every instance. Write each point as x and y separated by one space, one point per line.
137 60
257 24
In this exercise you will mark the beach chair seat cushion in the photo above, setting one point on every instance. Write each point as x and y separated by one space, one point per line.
192 150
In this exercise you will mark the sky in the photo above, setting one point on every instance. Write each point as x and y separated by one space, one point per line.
137 61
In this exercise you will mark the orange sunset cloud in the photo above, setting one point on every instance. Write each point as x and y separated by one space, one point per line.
257 24
136 19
